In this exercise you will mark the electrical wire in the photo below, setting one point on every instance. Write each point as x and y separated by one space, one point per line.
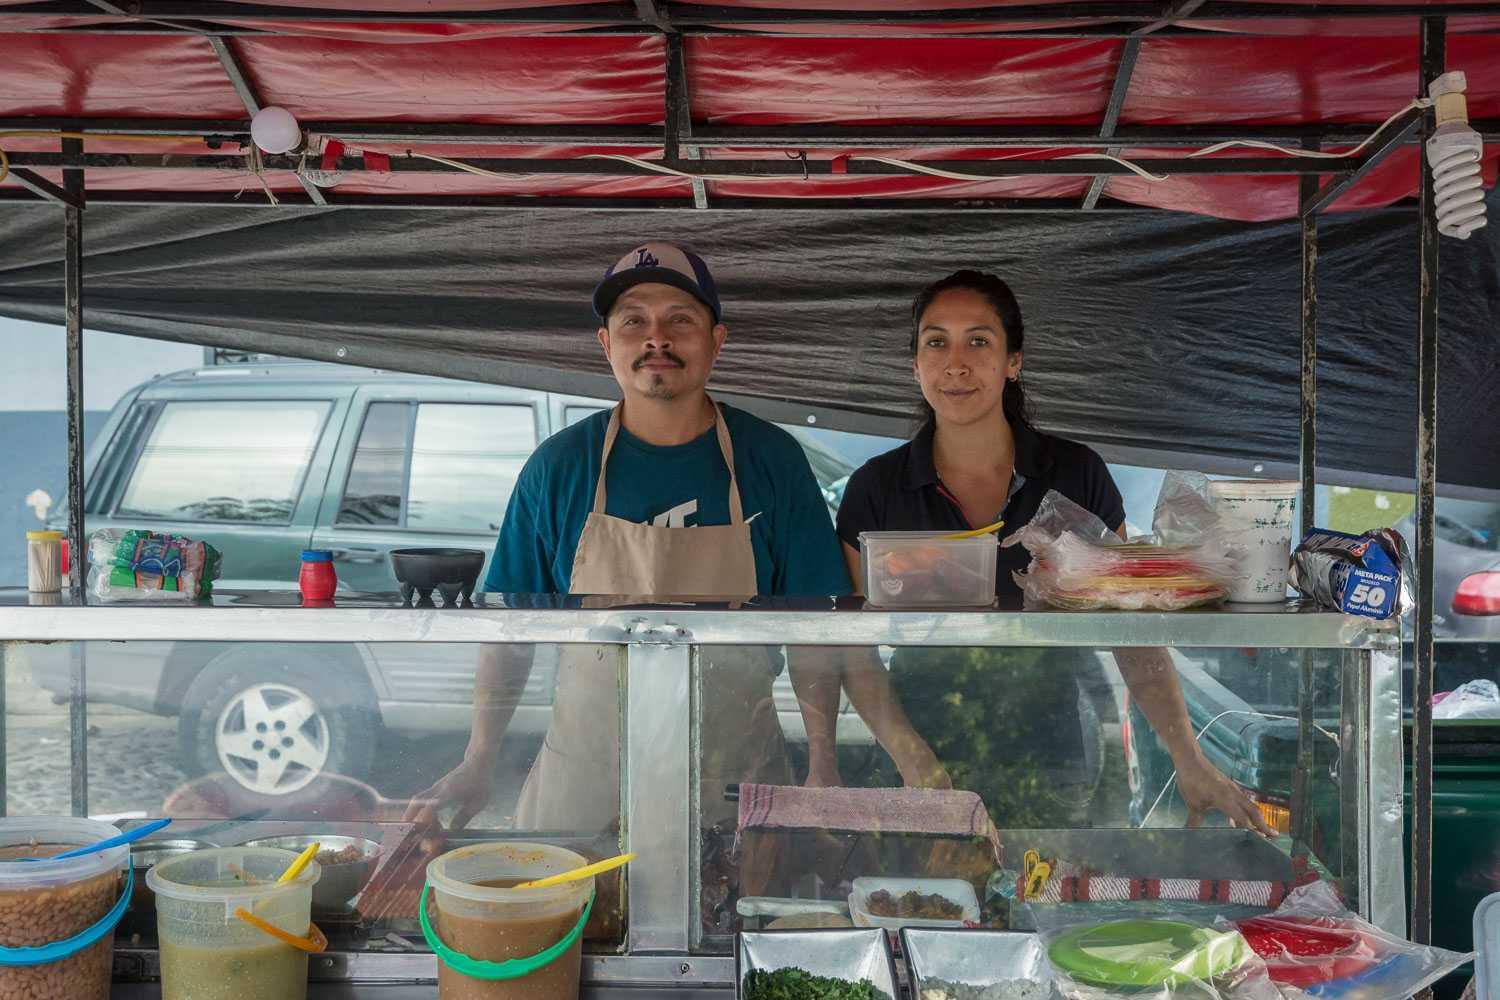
1199 738
954 175
120 136
662 168
1314 154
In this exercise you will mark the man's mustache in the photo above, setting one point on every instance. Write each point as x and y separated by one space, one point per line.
657 356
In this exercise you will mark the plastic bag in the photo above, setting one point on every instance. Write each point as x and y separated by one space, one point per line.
139 565
1078 564
1103 951
1474 700
1313 947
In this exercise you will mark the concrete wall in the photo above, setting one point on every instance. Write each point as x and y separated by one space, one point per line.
33 422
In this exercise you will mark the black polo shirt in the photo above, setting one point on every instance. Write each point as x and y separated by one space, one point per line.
901 491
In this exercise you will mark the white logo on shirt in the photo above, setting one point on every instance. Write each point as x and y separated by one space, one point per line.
677 516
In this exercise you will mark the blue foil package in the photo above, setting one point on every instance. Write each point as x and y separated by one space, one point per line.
1355 574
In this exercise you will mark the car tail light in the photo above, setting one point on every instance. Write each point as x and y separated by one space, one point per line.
1478 595
1277 816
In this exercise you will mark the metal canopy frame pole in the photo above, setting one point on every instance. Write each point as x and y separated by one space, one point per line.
1302 796
795 137
78 722
1434 58
679 116
168 16
1129 53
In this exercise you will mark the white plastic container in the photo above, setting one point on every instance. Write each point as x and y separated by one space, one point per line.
1256 518
208 953
955 890
924 569
1487 944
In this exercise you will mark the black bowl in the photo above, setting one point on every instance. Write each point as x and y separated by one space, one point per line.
451 572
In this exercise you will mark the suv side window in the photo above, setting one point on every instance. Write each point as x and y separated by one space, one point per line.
465 458
444 467
225 460
377 476
574 412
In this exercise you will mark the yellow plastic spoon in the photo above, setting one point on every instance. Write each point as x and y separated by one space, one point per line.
975 533
307 855
597 868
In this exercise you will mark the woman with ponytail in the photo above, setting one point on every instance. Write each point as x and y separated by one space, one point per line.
1006 722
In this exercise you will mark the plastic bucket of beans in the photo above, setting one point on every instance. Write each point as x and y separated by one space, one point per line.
57 918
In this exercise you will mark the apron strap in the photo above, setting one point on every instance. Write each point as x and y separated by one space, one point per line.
726 448
609 446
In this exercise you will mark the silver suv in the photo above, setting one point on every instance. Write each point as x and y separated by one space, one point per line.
266 460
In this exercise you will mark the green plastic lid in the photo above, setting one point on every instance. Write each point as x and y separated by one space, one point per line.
1146 953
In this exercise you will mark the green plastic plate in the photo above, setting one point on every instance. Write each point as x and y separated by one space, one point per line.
1146 953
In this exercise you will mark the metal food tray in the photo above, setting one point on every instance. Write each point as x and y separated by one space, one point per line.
850 955
976 957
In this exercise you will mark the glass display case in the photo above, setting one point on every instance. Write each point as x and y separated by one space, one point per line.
802 763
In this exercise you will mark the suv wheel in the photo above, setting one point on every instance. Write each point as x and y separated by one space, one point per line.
274 727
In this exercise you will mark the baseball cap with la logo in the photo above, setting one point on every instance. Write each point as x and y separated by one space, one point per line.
661 263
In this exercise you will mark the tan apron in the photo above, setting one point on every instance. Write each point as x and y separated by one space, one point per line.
575 783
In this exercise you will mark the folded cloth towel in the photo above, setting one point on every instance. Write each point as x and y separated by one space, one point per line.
1099 887
933 812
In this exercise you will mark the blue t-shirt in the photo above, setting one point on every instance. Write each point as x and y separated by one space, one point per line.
680 486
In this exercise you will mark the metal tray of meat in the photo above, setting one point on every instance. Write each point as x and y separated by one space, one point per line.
973 957
850 955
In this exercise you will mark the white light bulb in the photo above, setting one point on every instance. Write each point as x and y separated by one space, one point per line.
275 130
1454 152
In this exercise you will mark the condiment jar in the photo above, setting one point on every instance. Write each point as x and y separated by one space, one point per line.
44 562
317 580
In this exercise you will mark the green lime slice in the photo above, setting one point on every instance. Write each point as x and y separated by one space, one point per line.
1146 953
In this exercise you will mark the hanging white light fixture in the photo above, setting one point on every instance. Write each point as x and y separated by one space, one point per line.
1453 154
275 130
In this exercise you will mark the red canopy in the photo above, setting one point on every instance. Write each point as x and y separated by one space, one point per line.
826 70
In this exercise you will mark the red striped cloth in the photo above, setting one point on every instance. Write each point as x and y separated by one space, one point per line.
1100 887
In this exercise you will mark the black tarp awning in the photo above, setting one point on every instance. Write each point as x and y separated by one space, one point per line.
1159 338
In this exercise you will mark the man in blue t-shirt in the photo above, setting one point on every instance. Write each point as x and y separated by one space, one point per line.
667 495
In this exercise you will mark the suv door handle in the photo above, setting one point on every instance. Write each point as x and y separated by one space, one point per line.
356 555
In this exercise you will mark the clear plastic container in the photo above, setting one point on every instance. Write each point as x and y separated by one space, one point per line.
925 569
42 902
208 953
479 916
954 890
44 574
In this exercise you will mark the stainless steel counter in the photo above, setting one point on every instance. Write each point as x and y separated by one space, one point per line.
277 616
341 991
